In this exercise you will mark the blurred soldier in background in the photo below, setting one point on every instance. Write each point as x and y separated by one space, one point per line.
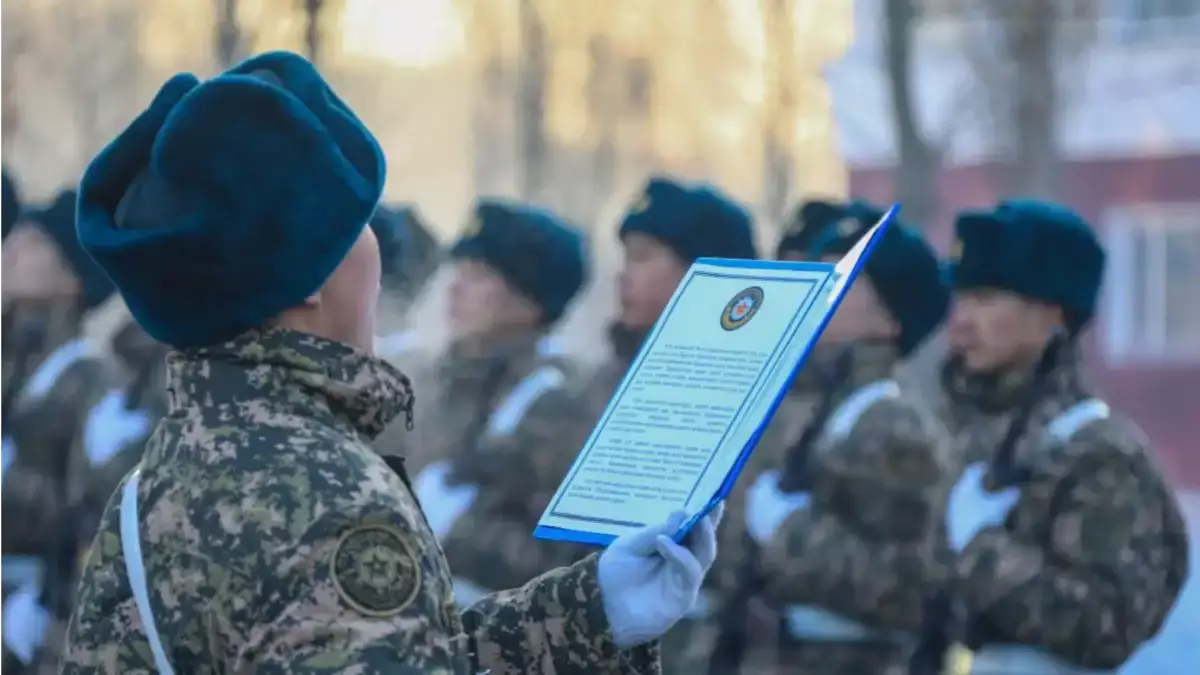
409 254
260 533
53 376
491 450
663 233
747 629
851 525
1070 547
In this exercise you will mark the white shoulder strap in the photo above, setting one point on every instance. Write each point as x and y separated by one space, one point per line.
131 547
1078 416
393 345
848 413
55 365
512 409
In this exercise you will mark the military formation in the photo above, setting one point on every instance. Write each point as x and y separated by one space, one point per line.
250 478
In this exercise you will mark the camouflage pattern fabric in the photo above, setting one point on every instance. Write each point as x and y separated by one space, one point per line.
1093 555
866 548
516 452
276 541
50 470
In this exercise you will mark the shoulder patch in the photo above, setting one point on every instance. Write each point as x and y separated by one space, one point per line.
375 570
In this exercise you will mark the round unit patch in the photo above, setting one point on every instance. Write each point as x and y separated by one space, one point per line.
741 308
375 570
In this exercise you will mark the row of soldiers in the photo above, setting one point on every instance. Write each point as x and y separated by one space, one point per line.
940 487
988 515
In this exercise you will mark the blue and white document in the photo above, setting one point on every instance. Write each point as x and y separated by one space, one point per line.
699 394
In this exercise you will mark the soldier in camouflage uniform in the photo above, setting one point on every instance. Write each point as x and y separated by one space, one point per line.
53 375
851 525
260 532
1070 547
747 627
493 426
670 225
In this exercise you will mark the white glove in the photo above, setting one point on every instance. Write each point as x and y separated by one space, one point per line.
767 507
972 508
648 582
25 623
442 503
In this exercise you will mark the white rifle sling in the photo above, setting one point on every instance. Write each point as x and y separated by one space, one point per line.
135 568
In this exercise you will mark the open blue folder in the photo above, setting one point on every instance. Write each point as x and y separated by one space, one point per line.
700 393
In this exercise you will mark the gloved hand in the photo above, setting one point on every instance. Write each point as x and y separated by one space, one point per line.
25 623
648 582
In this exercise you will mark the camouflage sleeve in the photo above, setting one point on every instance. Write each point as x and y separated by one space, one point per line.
1110 567
51 466
554 625
868 547
518 474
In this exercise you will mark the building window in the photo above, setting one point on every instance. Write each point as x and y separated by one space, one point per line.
1152 291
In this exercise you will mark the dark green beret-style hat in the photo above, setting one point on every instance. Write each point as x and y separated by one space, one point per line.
694 221
807 223
537 253
230 200
409 252
903 268
1037 250
57 222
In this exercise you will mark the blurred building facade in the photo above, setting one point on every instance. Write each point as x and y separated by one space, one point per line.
1128 157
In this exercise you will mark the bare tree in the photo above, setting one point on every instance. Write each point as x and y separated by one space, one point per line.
229 34
532 74
779 116
312 29
918 160
604 104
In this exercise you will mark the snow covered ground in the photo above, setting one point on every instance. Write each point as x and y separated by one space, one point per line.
1177 649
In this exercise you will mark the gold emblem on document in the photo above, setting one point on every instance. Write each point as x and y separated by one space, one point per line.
741 308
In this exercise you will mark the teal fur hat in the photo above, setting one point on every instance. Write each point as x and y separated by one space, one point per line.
808 221
231 200
1038 250
903 268
409 253
694 221
536 252
57 221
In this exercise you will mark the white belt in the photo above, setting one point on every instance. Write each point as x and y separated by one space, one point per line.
1009 659
22 570
815 623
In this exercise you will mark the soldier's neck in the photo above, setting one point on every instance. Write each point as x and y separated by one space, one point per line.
1004 389
502 343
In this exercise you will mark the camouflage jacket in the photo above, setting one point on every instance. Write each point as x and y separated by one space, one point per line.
275 540
46 466
505 415
866 545
1091 557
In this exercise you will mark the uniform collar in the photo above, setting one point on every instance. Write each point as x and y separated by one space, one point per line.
263 373
1004 390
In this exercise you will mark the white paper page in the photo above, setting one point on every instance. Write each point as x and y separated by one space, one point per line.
659 446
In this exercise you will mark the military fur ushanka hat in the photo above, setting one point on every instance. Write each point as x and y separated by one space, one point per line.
1035 249
903 268
230 200
537 253
694 221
